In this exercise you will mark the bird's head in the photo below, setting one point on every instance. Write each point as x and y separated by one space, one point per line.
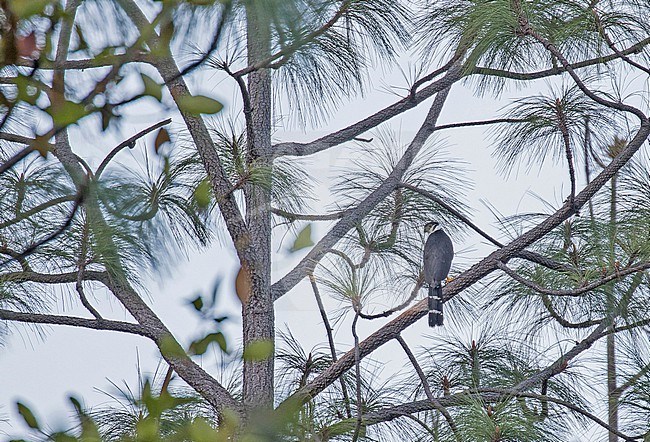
431 226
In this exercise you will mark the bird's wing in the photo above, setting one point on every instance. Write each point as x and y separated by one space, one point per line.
429 259
438 253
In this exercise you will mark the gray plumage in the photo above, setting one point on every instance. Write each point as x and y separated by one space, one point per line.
438 253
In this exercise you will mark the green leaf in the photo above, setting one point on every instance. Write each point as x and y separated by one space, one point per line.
27 8
67 113
198 104
258 350
151 88
169 347
27 416
203 194
200 346
198 303
201 431
303 239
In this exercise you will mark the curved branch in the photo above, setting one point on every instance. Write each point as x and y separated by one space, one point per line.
32 247
634 49
130 143
563 322
579 291
418 285
34 210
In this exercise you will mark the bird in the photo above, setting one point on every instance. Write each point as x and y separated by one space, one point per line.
438 253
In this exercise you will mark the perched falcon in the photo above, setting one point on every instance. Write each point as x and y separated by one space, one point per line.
438 253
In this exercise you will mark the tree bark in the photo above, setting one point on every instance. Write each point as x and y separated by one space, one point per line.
257 313
612 396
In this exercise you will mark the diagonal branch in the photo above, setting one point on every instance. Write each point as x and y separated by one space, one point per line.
525 254
350 132
354 216
427 389
472 275
523 76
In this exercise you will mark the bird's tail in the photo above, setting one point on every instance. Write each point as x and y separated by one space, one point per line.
435 305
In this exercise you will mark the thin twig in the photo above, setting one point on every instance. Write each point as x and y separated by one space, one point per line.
32 248
130 143
82 268
18 157
418 285
330 340
576 292
427 388
357 372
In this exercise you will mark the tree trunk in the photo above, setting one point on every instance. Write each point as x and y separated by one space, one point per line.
257 313
612 396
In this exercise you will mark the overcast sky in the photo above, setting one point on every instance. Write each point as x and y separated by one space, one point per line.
42 368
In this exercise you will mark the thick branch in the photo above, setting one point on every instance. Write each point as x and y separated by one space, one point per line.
96 324
472 275
354 216
350 132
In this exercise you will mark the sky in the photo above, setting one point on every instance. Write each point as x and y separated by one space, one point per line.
43 367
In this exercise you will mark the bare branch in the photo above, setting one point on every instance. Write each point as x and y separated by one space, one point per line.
523 76
330 340
579 291
525 254
527 29
302 217
427 389
475 273
350 132
96 324
352 217
130 143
